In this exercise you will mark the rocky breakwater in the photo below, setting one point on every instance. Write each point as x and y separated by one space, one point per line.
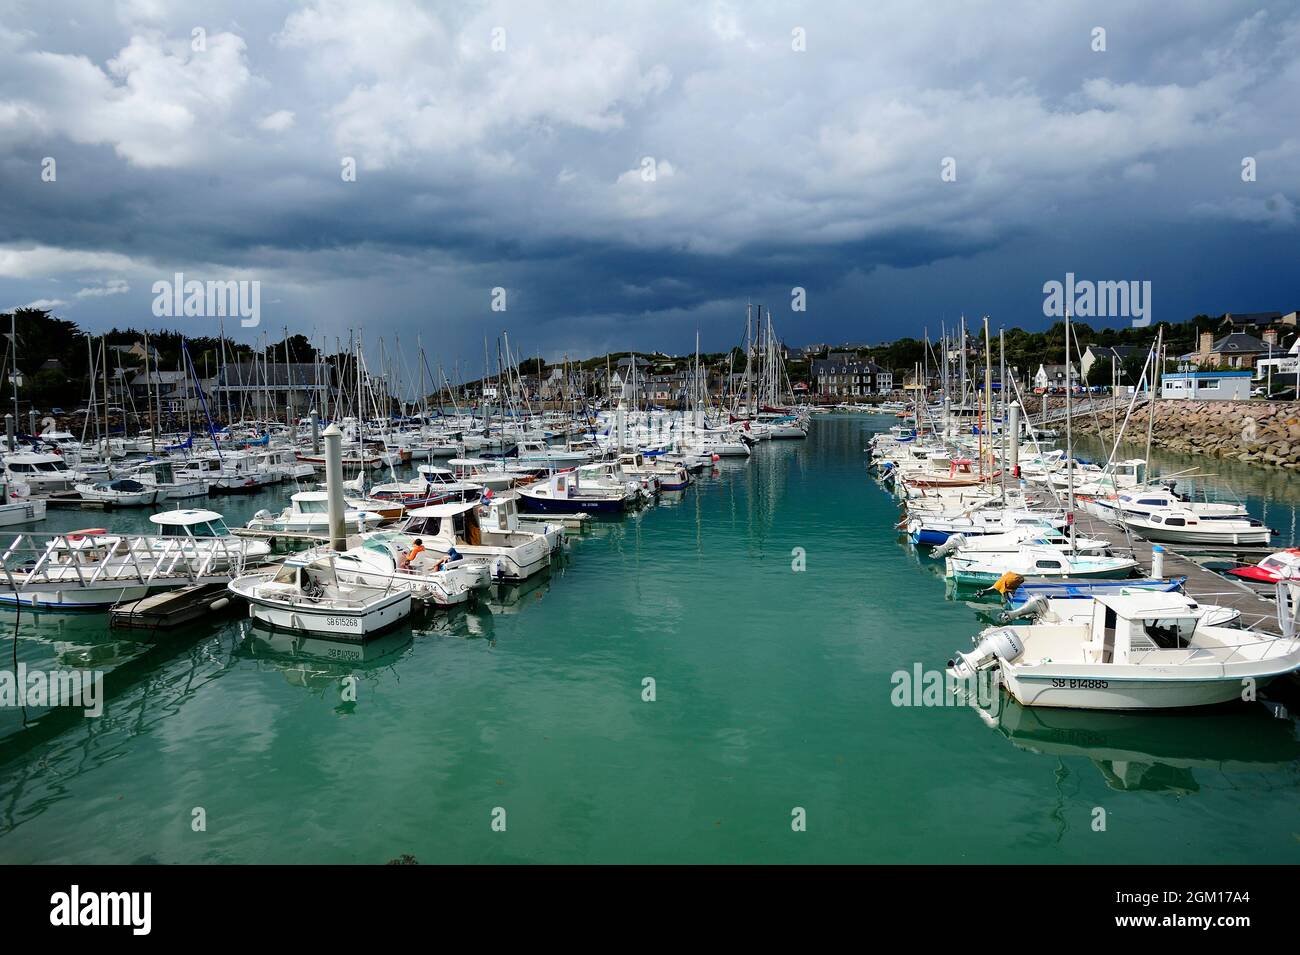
1257 432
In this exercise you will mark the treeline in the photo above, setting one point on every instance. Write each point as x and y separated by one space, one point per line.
41 337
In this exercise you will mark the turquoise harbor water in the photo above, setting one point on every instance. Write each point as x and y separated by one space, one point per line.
773 691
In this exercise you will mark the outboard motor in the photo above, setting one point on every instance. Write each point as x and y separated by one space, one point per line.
1033 607
1001 645
950 546
262 515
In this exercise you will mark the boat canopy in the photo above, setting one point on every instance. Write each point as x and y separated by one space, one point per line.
449 509
187 516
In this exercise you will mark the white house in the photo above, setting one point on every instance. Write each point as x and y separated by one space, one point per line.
1206 385
1053 376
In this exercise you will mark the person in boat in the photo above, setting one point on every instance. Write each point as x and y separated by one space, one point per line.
452 554
416 551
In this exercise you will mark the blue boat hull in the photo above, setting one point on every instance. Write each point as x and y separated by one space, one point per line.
568 506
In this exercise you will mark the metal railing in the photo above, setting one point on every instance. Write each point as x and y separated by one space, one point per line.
83 561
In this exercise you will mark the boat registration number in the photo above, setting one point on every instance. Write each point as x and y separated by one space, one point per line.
347 622
1060 684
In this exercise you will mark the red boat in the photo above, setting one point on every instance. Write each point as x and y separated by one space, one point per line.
1284 565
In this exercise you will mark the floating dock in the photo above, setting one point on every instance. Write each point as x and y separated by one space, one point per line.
170 608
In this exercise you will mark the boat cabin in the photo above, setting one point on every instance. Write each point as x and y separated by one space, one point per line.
190 522
457 522
1129 624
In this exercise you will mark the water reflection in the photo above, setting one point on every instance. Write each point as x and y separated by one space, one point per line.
1175 751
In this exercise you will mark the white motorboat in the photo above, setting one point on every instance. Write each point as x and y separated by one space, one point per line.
305 595
17 506
1137 651
308 513
1045 535
205 538
541 454
1144 501
161 475
380 561
668 475
434 485
983 569
490 473
512 554
43 473
1178 525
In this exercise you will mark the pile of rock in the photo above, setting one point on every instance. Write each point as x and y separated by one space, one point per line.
1259 432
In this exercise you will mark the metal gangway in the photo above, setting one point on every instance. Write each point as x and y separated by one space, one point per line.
82 561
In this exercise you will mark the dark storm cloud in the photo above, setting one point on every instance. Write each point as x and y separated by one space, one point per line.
524 167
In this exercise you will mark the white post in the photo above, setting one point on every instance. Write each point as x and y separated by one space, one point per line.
1013 426
1157 561
334 487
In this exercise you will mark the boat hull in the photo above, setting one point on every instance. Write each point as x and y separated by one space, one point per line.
338 624
568 505
1111 693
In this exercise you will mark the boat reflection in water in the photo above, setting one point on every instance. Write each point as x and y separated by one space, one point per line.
316 662
1170 751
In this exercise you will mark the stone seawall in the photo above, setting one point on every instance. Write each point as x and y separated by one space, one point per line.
1257 432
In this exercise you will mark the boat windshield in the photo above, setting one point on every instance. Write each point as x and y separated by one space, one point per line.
312 507
1170 633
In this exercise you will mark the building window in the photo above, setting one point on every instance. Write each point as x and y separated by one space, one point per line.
1210 384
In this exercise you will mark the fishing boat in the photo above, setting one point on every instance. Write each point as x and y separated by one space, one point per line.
1067 587
308 513
1284 565
1179 525
563 493
122 492
1137 651
511 553
305 595
1035 561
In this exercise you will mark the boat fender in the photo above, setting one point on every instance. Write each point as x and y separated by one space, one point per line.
221 603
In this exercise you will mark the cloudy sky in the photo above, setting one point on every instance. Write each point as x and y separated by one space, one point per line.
630 173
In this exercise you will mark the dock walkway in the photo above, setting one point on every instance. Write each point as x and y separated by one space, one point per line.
1258 612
